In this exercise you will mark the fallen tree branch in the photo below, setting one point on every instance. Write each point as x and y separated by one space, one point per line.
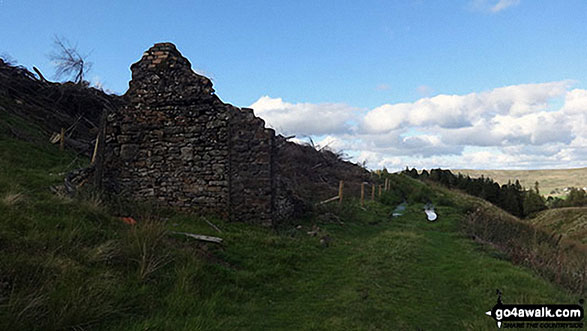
78 145
41 77
90 123
200 237
213 225
327 200
317 166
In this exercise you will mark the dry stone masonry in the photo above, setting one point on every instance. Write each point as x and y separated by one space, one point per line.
177 143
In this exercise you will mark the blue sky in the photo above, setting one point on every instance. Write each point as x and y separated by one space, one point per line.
373 74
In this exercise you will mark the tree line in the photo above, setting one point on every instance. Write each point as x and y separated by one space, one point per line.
576 198
511 197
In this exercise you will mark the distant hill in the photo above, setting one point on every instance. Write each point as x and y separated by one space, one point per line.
552 182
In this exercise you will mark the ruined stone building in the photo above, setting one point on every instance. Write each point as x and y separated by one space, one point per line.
177 143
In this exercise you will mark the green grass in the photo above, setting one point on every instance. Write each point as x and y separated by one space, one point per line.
570 222
67 263
403 273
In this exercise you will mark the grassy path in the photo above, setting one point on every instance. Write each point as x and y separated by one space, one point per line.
403 274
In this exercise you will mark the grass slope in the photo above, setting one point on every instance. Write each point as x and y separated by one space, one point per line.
554 180
403 273
68 264
570 222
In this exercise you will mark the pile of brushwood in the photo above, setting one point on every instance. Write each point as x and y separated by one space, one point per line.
50 106
314 172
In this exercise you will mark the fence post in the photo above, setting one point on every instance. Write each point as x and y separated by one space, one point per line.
379 191
372 191
362 194
62 140
340 186
95 149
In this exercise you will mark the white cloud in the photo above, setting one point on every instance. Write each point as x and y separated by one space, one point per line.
98 83
492 5
576 102
457 111
508 127
504 4
331 142
304 118
368 157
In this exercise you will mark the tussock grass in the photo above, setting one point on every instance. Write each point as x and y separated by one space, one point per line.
13 198
92 201
145 245
25 307
105 252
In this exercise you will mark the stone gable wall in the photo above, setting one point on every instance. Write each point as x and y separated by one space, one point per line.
175 142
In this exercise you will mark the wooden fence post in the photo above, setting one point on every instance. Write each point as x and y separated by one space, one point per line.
362 194
62 140
380 191
95 149
340 186
372 191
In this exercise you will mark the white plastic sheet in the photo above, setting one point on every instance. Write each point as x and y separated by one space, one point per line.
431 215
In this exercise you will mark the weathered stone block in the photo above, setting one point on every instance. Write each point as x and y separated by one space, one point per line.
187 153
128 151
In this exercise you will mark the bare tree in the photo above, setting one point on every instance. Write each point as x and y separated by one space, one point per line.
68 61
